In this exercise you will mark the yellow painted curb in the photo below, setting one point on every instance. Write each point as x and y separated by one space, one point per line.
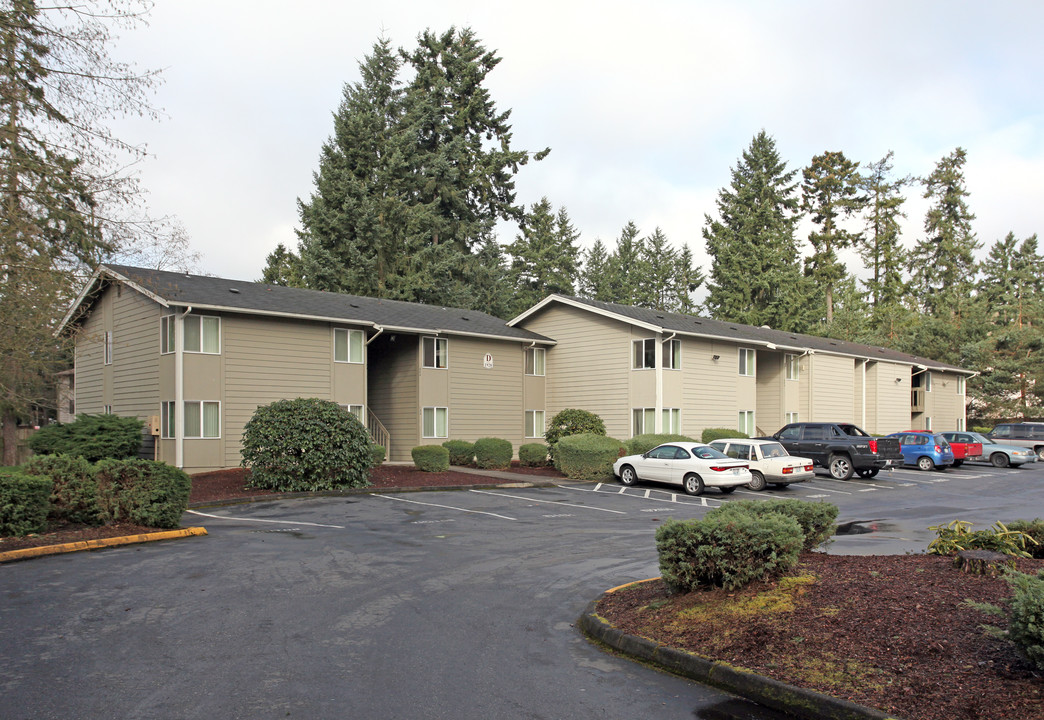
26 553
635 582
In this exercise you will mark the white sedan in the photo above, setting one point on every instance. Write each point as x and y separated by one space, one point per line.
694 466
769 461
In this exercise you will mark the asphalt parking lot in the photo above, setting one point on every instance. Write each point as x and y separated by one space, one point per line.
437 605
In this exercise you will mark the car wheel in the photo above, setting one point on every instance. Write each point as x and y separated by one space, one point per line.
840 467
925 463
958 463
999 459
693 484
627 476
867 472
1040 452
757 481
728 490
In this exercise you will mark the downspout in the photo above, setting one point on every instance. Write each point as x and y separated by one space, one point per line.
658 420
863 423
179 389
380 329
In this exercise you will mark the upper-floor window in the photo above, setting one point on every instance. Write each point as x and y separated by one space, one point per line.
108 347
746 362
644 354
960 384
202 334
348 345
436 352
167 334
927 381
672 355
535 362
791 365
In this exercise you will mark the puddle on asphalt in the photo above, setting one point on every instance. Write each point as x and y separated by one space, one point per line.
864 527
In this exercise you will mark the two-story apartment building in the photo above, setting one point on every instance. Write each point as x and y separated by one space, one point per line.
646 370
195 356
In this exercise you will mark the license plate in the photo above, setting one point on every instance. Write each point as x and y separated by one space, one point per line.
735 471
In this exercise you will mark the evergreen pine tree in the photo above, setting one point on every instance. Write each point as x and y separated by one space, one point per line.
595 277
660 261
881 247
755 277
544 257
830 194
687 278
627 269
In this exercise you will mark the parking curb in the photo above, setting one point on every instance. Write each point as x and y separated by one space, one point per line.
795 701
27 553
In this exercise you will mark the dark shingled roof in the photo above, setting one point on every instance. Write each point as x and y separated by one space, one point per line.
691 324
257 298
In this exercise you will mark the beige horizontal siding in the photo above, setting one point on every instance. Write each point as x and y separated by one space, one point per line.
135 356
832 391
486 402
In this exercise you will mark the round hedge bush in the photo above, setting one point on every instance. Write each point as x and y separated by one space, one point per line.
532 455
587 456
493 453
306 444
431 458
461 452
712 434
572 421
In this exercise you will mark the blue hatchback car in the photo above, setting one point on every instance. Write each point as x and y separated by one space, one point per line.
926 450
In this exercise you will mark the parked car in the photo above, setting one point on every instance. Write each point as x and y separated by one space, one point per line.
769 461
694 466
962 449
841 448
996 454
1024 434
925 450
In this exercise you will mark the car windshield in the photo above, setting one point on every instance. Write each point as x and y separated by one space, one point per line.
773 450
708 453
976 437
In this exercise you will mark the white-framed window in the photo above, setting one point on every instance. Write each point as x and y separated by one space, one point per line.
746 422
168 417
671 421
791 365
643 420
436 354
672 355
358 411
960 385
927 381
202 334
435 421
348 345
927 423
790 417
960 424
644 354
167 342
108 347
534 423
535 363
107 409
746 362
202 419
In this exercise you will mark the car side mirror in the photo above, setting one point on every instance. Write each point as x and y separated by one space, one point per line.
645 456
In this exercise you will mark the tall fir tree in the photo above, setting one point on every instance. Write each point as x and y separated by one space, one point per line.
544 257
660 260
830 195
627 268
755 276
687 279
881 247
596 281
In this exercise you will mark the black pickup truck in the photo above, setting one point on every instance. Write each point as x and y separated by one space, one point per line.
841 448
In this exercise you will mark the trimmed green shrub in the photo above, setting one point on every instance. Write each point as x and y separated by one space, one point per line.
587 456
306 444
571 422
981 429
815 518
712 434
532 455
74 496
640 444
144 492
24 503
90 436
461 452
378 454
1026 624
727 550
1035 530
431 458
493 453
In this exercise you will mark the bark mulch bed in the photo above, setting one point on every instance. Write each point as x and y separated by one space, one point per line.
231 485
891 632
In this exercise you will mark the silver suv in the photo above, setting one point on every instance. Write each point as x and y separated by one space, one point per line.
1025 434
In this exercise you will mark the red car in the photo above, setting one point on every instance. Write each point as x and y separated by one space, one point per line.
962 451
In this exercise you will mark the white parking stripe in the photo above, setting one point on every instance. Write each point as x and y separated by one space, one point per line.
447 507
259 520
552 502
674 496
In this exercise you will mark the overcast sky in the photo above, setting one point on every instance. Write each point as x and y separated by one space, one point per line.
646 106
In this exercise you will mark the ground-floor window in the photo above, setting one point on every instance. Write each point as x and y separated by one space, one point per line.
358 411
790 417
746 422
435 422
960 424
534 423
671 421
167 420
643 420
202 419
927 423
